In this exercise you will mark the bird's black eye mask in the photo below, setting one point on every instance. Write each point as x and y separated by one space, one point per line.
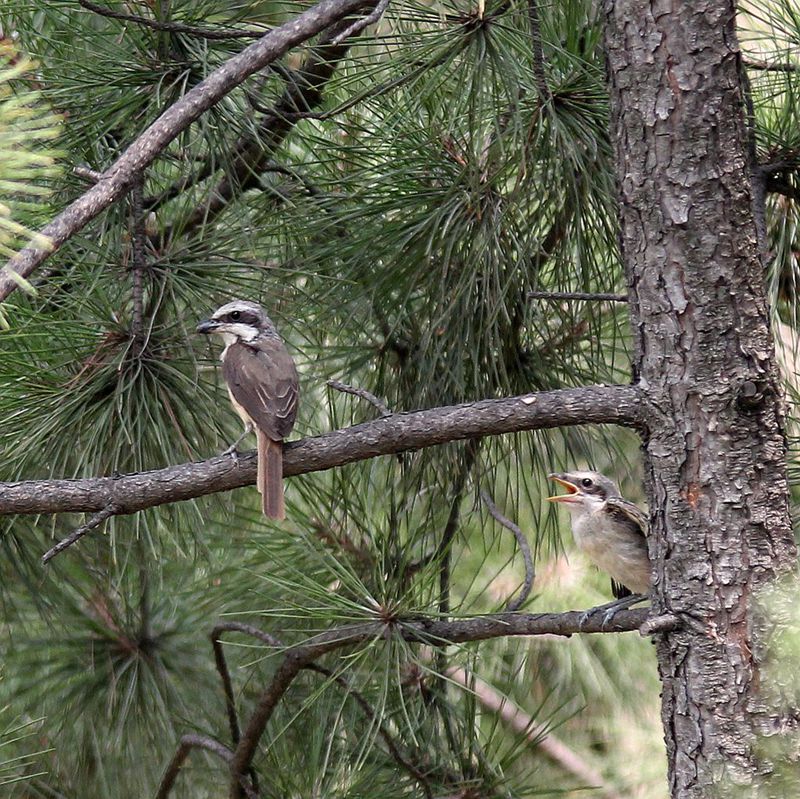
240 318
592 487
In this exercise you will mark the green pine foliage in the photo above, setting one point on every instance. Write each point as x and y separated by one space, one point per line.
393 225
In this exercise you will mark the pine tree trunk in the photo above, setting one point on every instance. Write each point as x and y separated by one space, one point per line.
715 446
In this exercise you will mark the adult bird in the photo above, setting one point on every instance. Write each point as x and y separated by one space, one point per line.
610 530
263 388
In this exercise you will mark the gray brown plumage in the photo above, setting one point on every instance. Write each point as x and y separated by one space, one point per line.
263 388
608 528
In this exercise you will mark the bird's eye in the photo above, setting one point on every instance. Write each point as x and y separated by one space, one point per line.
587 482
235 315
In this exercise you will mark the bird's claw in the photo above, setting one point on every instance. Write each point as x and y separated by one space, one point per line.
233 452
608 617
609 611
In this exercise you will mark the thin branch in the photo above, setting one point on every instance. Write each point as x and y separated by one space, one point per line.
537 734
187 743
149 145
222 665
557 296
171 27
539 74
524 548
360 24
88 174
381 406
451 527
444 555
96 520
400 432
770 66
429 632
138 264
225 675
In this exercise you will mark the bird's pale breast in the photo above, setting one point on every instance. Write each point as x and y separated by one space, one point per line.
615 549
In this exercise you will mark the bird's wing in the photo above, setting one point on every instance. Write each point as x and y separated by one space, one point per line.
263 380
627 513
632 517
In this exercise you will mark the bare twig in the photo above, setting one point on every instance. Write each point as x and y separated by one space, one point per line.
171 27
222 666
225 675
150 144
539 73
187 743
359 25
381 406
770 66
429 632
445 558
536 734
400 432
95 521
576 295
470 453
524 547
138 264
90 175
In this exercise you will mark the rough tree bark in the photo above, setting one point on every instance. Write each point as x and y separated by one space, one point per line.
703 353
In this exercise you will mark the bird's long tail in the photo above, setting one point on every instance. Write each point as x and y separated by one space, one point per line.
270 476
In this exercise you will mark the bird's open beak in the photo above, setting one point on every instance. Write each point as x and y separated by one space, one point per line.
572 490
206 326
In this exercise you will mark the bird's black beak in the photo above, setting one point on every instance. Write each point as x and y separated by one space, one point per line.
206 326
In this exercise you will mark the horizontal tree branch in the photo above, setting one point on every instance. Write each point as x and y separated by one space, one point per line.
589 296
119 177
431 632
400 432
771 66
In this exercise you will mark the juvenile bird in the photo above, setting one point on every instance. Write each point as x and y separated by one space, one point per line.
263 388
610 530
